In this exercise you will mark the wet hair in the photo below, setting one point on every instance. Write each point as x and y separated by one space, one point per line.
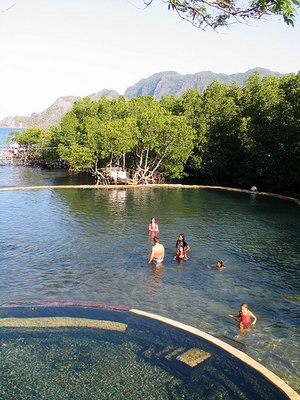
156 239
221 262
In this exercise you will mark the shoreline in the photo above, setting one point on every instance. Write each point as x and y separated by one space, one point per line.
152 186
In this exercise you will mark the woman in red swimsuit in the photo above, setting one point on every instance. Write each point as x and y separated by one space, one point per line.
245 316
153 228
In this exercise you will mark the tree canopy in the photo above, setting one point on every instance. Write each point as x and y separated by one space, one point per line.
216 13
228 135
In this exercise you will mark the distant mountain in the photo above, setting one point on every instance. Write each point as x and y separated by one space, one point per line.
172 83
53 114
110 94
160 84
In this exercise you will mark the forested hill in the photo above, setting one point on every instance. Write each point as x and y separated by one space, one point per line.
172 83
157 85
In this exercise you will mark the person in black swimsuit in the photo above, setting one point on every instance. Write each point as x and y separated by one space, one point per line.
181 248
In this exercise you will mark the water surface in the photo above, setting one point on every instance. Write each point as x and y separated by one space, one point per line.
133 357
93 245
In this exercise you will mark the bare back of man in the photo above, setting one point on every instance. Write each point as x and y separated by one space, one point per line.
158 252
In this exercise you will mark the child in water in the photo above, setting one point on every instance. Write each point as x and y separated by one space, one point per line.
181 248
245 316
153 227
180 253
220 264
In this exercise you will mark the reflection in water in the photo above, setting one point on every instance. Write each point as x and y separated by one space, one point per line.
14 175
181 266
93 245
118 196
156 274
253 196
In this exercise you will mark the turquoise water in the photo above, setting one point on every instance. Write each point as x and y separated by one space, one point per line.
93 245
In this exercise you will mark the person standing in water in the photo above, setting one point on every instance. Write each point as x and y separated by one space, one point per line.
181 248
158 252
245 316
180 255
153 227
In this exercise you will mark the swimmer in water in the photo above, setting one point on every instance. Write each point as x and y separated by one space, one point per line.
220 264
158 252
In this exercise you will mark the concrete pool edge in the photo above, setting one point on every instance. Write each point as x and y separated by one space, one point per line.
273 378
152 186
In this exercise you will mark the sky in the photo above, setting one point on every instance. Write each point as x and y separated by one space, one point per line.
54 48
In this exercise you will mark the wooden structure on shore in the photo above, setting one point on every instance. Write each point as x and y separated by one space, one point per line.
6 156
117 175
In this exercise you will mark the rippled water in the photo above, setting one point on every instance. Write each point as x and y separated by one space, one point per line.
93 245
127 356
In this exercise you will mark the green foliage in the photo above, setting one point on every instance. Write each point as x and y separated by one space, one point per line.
166 140
251 134
228 135
28 137
74 146
224 146
222 13
176 144
120 135
49 146
271 107
192 104
13 136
